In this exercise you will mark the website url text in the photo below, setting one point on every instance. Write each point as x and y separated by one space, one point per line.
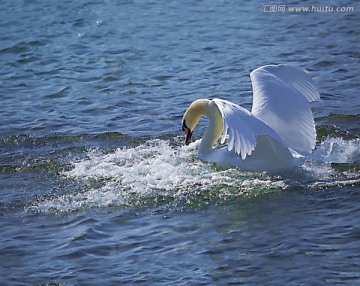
280 8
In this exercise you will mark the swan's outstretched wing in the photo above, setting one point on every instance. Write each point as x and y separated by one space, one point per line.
242 128
281 99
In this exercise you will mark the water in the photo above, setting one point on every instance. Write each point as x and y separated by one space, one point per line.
96 186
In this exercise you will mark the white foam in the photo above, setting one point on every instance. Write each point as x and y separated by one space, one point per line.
332 150
152 166
156 168
151 169
264 184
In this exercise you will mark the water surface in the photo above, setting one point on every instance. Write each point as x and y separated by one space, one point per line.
96 185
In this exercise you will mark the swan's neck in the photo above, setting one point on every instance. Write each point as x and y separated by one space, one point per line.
213 130
209 109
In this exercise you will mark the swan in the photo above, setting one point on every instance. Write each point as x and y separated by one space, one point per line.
277 133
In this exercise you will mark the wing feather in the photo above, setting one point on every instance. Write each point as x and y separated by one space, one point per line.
231 139
242 128
225 131
281 96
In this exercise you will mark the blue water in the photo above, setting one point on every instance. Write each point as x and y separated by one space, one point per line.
96 186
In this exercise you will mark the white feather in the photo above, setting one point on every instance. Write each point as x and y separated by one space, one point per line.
242 128
281 96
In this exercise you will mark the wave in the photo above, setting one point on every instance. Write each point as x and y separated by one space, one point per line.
165 172
333 152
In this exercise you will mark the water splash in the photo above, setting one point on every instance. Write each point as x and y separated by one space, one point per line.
161 170
154 165
332 151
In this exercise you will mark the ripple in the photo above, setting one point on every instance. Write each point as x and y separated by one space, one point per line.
37 167
15 49
324 64
59 94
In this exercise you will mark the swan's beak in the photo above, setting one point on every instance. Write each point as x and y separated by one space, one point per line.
188 133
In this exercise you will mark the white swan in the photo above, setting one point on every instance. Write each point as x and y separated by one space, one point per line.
279 129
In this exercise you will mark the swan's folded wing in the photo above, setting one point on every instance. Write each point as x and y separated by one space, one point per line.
281 99
242 128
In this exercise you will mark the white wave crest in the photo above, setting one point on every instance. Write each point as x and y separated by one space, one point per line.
152 166
332 150
156 168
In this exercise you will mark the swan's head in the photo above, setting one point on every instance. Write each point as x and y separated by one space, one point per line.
194 112
191 118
